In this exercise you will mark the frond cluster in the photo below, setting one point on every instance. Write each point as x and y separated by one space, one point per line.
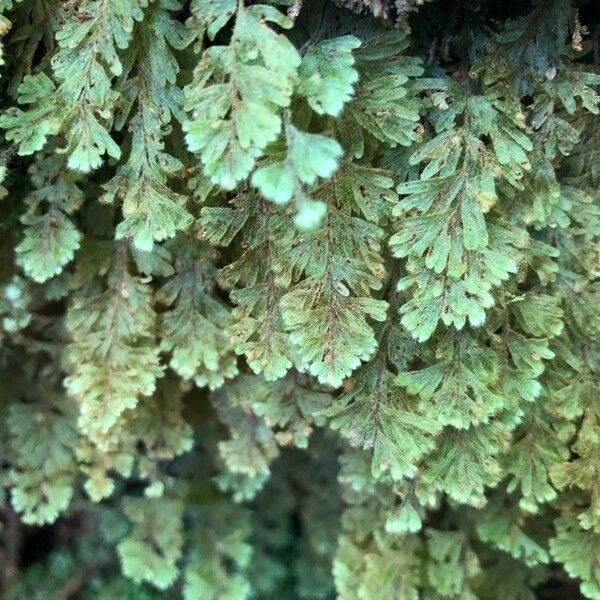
298 301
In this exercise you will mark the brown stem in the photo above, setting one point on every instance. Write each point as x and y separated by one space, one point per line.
74 584
12 534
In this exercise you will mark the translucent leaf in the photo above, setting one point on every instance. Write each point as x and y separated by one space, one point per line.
327 75
151 549
43 438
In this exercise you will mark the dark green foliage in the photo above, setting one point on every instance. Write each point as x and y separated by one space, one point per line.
300 299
